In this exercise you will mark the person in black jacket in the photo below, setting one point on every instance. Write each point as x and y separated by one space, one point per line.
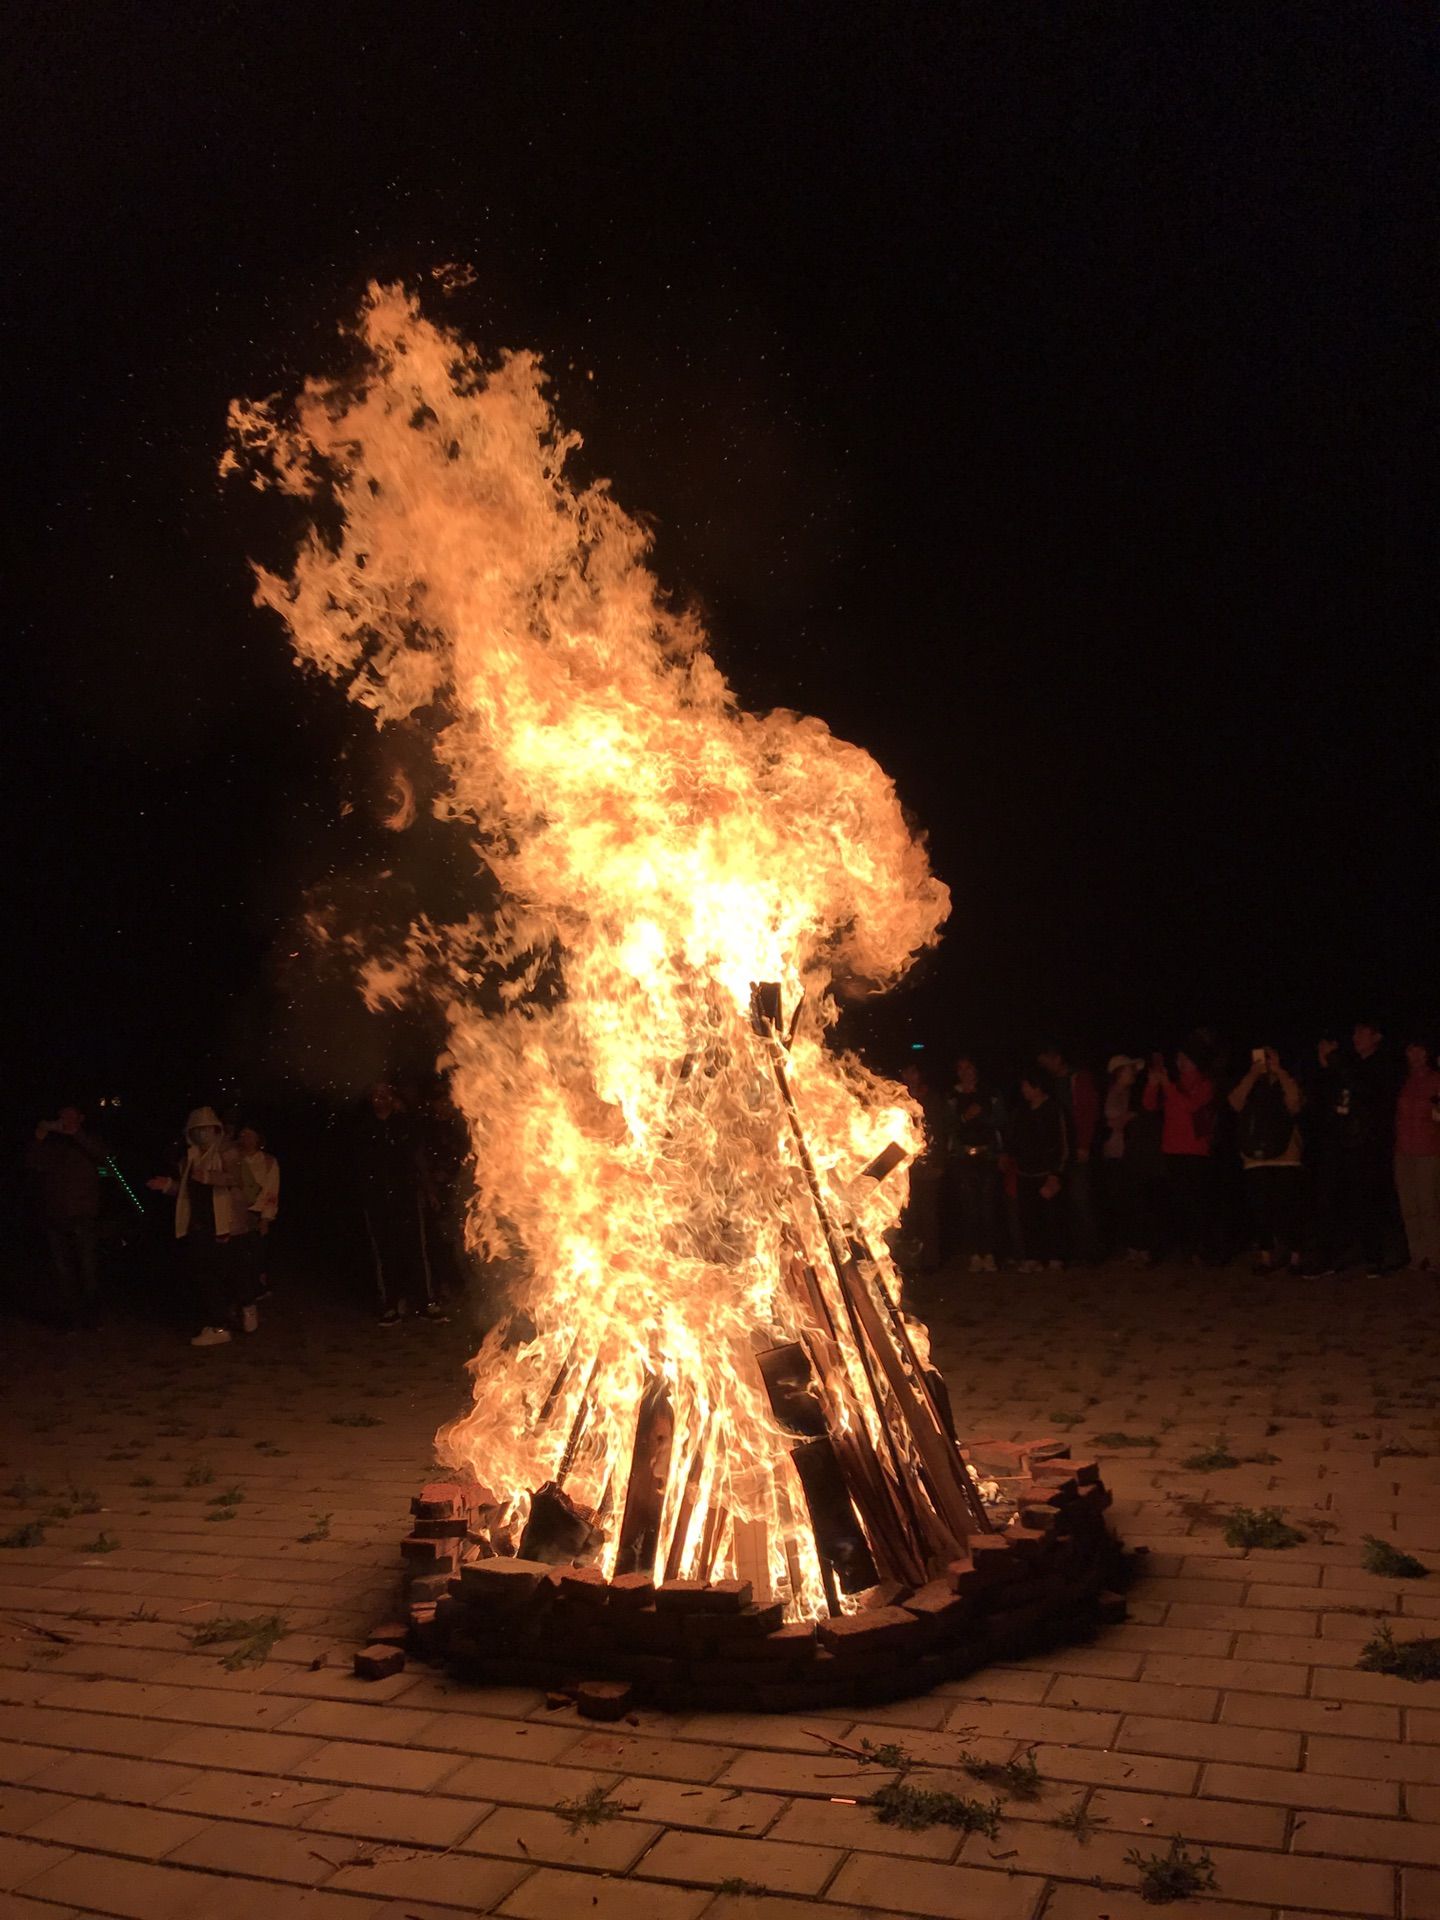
973 1163
1040 1145
1351 1148
390 1164
64 1161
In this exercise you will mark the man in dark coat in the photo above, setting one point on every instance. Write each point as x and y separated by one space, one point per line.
64 1161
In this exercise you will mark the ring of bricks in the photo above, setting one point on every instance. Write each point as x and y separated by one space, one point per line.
1047 1576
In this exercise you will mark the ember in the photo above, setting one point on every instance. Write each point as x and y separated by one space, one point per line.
707 1451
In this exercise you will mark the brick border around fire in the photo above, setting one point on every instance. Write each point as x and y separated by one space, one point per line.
1049 1574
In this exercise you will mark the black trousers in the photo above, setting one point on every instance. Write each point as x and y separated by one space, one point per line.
220 1274
974 1180
396 1231
1356 1213
1277 1206
74 1264
1194 1203
1042 1222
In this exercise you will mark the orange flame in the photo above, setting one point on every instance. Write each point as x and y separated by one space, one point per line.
660 850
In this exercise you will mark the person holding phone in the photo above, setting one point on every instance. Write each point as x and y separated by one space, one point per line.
1268 1101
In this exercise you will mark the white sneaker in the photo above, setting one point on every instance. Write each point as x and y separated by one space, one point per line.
211 1337
249 1319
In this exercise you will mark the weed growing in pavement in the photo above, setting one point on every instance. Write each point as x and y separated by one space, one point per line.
1380 1557
1066 1420
253 1638
914 1808
200 1475
1020 1778
231 1497
1260 1527
32 1534
1079 1821
1212 1458
1406 1659
1114 1440
355 1420
319 1528
24 1489
591 1809
1174 1875
102 1543
143 1480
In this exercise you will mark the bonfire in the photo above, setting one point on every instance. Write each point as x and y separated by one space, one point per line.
706 1389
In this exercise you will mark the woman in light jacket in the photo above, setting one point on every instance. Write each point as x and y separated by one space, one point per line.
212 1224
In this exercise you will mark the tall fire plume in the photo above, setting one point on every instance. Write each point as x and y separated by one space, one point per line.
668 1154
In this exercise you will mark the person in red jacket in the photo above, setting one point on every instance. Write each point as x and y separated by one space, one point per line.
1417 1156
1078 1098
1186 1099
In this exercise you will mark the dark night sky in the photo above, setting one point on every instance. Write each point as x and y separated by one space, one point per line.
1045 395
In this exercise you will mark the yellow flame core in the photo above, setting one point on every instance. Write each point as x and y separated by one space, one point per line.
660 850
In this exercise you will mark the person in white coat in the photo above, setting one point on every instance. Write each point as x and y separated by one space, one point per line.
213 1222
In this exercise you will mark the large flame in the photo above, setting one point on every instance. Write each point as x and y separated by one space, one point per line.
660 851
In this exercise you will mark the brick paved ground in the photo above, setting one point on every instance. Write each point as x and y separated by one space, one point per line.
139 1777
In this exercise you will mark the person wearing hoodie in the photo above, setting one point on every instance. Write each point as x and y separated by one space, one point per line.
212 1224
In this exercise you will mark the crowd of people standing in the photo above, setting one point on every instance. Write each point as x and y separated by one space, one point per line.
404 1171
1337 1159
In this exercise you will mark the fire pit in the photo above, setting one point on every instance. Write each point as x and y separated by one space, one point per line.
1044 1574
708 1456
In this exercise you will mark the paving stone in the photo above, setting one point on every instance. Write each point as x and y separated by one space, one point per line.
924 1887
1397 1841
1286 1787
22 1861
357 1764
823 1823
530 1833
236 1748
710 1858
1251 1746
1207 1821
110 1828
421 1819
549 1894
